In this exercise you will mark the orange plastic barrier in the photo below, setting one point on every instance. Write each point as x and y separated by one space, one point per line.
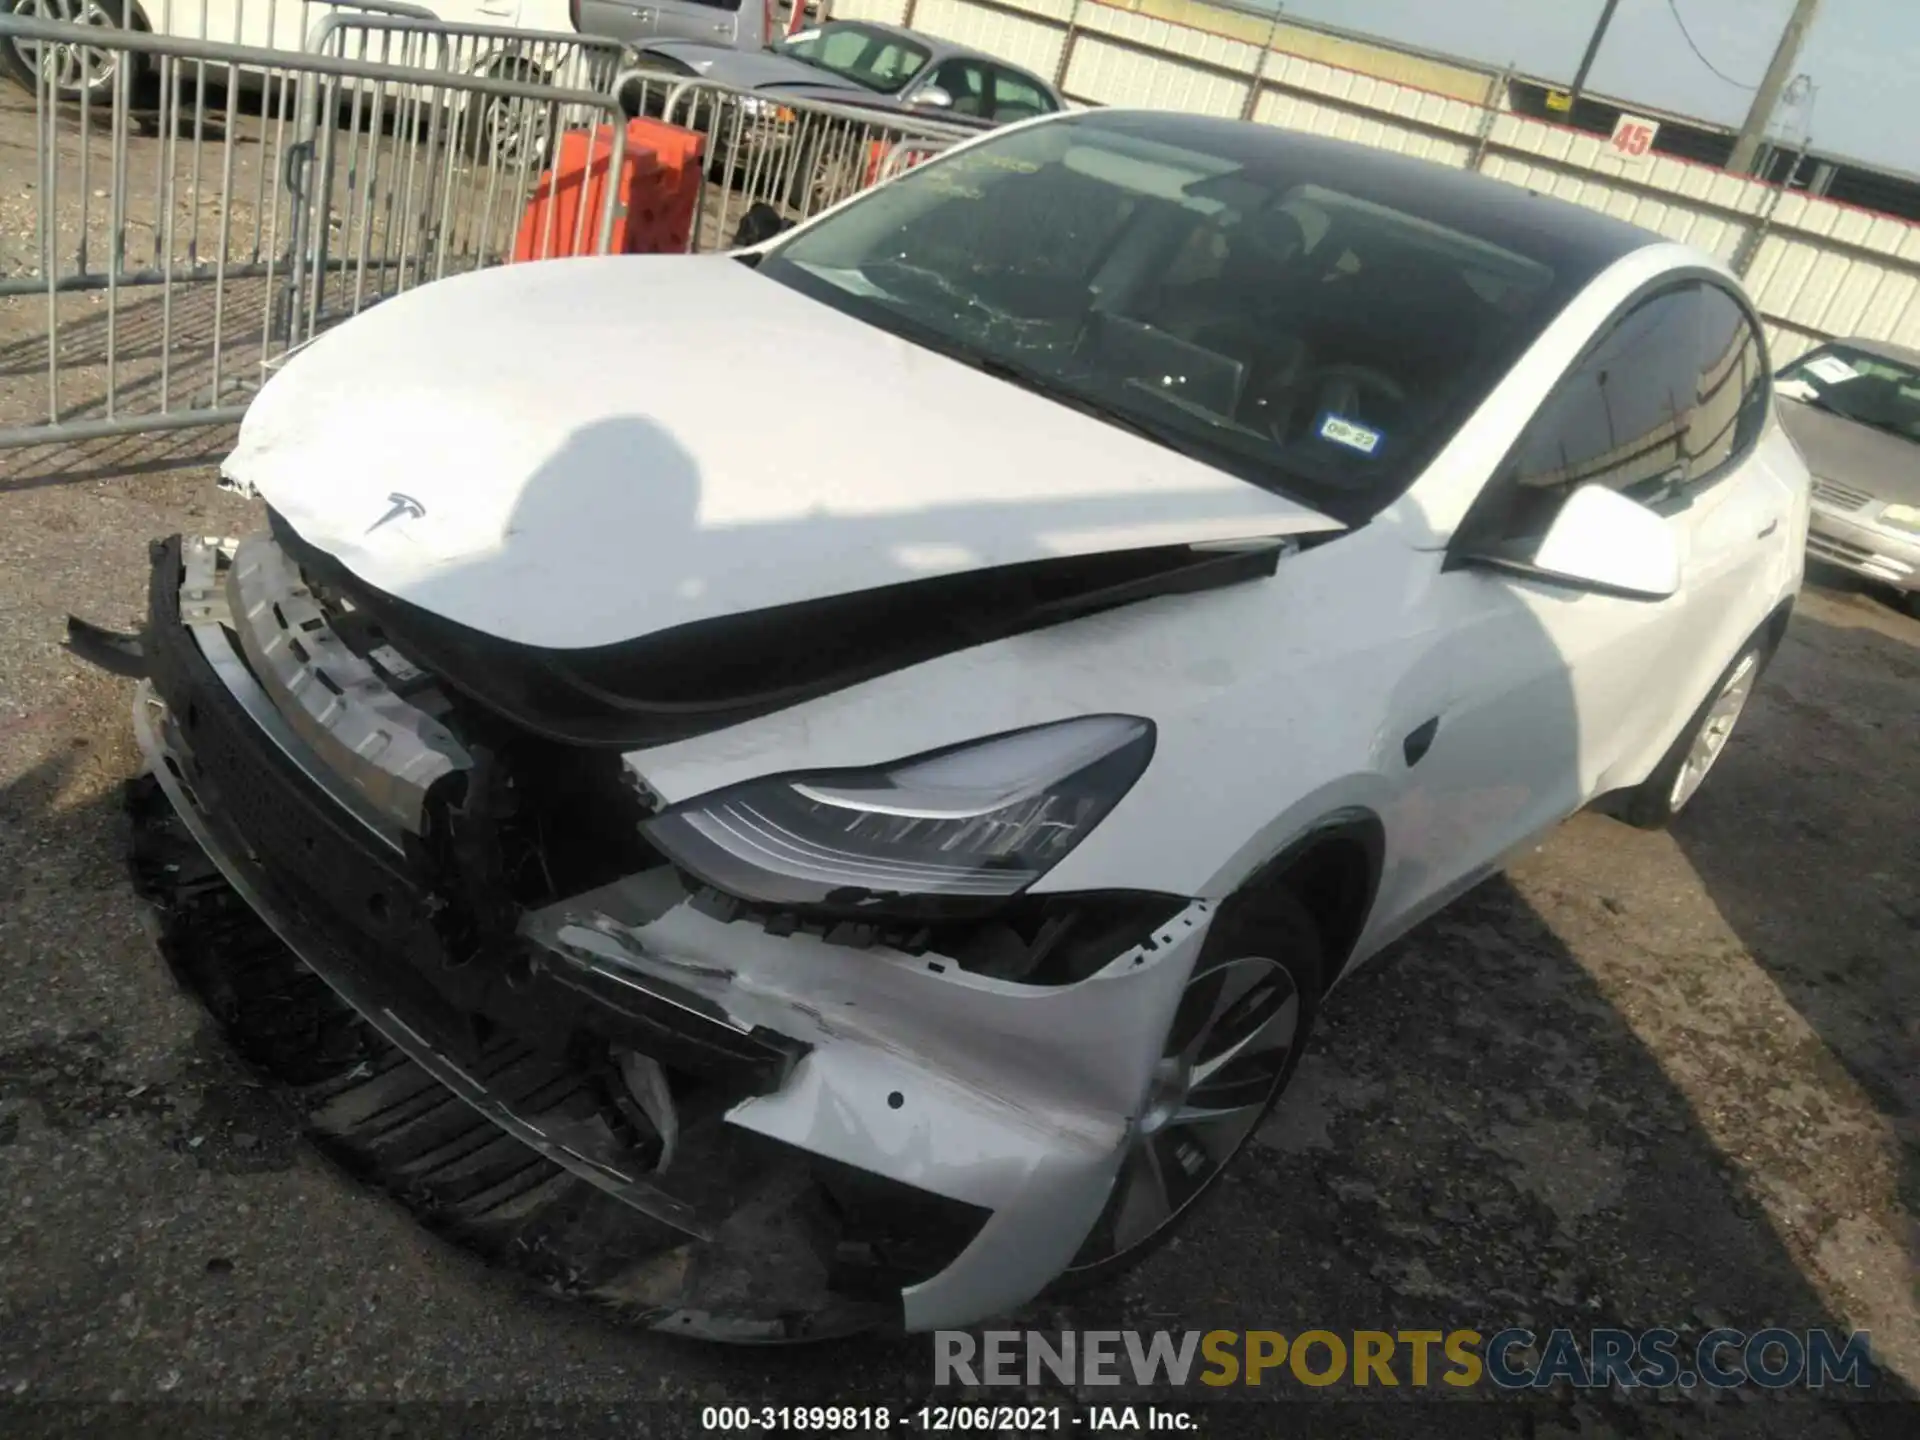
657 188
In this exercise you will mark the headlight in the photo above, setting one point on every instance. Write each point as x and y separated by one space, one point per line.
1902 517
930 835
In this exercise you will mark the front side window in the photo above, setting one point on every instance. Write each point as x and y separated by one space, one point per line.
1236 303
871 58
965 82
1731 399
1858 385
1663 402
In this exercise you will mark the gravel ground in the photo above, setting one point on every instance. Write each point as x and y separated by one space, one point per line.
1641 1080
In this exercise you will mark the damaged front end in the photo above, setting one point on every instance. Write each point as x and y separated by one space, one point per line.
743 1119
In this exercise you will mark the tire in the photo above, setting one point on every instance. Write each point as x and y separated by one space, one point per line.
1909 603
501 127
1267 927
1654 803
16 55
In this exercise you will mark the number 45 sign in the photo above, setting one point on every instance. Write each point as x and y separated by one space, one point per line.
1633 137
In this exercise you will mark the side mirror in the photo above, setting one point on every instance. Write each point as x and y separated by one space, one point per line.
933 97
1604 542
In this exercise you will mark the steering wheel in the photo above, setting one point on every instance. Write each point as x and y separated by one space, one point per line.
1340 388
1343 388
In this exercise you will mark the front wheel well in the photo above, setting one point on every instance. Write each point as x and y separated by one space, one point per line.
1334 871
1776 625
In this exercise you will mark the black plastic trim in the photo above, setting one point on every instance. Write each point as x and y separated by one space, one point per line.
1354 826
690 679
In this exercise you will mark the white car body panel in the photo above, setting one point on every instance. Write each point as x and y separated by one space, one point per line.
1184 661
610 490
617 491
950 1082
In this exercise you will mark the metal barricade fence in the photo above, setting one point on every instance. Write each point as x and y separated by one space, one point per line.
215 205
173 249
799 156
409 36
511 137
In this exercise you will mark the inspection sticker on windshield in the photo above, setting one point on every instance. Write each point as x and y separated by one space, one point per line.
1347 432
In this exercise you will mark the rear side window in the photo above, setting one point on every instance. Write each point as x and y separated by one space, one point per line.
1666 399
876 59
1016 97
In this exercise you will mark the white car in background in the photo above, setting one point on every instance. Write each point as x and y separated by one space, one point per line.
887 853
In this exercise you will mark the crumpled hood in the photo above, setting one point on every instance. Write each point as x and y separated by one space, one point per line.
1855 455
574 453
749 69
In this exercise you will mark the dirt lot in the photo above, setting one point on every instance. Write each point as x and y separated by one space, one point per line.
1646 1080
1643 1080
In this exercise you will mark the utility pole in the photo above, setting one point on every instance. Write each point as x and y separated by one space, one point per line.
1593 49
1767 98
1252 101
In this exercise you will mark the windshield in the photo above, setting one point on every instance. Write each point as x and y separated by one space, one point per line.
873 58
1859 386
1243 308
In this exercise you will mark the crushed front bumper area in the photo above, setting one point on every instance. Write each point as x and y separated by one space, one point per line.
860 1137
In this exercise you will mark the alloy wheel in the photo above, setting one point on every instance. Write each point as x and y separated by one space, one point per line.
1228 1052
1714 732
836 175
513 131
68 68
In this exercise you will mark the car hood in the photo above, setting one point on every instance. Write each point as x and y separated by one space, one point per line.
574 453
1855 455
748 69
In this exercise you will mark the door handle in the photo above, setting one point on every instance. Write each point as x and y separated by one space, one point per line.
1772 525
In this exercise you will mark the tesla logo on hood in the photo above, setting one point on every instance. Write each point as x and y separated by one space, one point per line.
402 505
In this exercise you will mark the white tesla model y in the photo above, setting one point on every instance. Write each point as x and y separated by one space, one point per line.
860 759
